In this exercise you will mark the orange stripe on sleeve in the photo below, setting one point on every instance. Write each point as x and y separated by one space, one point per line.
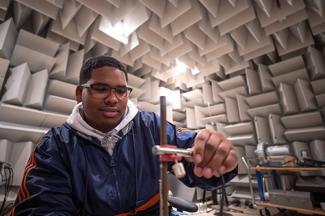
149 203
143 207
12 212
23 191
27 172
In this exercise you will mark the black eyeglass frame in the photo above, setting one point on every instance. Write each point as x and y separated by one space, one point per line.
89 85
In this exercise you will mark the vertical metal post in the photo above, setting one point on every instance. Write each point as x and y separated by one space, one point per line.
163 165
248 166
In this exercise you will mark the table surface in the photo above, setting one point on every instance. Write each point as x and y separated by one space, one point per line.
290 169
300 210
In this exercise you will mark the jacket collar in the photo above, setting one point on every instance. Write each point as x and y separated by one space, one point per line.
76 121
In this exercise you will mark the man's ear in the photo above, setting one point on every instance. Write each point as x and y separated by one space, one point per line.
79 94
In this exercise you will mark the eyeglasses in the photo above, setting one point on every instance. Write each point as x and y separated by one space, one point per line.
99 90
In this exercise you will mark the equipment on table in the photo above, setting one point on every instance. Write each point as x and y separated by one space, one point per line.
275 155
311 163
295 199
317 149
310 183
182 204
169 153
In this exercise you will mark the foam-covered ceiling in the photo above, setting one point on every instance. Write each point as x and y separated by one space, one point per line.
217 37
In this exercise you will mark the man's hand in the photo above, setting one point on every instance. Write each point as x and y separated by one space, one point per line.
213 154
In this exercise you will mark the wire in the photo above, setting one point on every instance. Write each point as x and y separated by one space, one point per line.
223 194
7 177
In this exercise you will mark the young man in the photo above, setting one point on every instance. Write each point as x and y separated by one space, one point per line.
100 161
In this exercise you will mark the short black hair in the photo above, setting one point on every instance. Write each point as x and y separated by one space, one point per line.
98 62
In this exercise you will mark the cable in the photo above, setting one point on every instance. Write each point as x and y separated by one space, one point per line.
223 194
7 177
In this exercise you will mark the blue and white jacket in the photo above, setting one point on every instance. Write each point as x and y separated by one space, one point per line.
73 171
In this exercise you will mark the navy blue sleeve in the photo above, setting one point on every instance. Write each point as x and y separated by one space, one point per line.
185 139
46 186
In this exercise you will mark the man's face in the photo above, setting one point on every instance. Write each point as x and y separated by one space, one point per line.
103 111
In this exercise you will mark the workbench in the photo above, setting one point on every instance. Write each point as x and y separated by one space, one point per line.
259 176
316 211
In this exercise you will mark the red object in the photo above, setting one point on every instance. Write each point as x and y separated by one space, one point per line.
278 3
169 157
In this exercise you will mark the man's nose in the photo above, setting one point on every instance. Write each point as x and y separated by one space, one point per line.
111 97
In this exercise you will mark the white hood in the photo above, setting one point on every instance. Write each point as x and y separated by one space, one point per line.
109 139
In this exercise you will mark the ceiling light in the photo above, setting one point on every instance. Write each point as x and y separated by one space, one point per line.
180 67
195 71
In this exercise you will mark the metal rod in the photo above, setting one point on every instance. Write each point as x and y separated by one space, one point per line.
157 150
163 165
248 166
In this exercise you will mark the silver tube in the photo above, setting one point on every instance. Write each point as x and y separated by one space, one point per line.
157 150
278 150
